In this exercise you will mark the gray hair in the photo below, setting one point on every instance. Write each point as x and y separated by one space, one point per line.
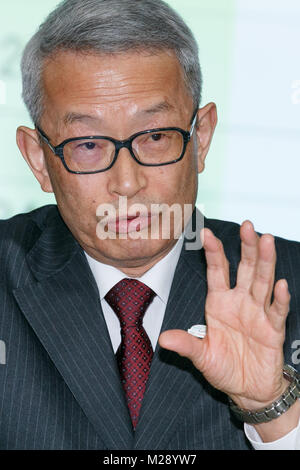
108 27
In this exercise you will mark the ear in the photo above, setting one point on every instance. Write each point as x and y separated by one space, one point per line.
206 123
32 151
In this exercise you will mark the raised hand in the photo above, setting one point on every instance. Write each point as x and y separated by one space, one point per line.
242 353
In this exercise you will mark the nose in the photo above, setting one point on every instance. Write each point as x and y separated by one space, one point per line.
126 177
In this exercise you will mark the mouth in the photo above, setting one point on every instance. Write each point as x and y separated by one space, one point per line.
130 223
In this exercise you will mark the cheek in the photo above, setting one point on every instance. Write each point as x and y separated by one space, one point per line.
179 181
74 193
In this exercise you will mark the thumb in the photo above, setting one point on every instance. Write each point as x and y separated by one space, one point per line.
184 344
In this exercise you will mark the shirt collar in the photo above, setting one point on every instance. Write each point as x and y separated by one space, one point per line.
159 278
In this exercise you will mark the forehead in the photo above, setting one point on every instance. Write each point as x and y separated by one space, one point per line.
75 81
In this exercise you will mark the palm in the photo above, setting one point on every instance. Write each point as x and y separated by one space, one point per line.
242 351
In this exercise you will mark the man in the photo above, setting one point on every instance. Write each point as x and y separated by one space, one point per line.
113 89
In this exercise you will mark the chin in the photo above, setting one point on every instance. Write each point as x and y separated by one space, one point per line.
131 251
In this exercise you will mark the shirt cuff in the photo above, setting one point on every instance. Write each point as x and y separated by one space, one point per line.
290 441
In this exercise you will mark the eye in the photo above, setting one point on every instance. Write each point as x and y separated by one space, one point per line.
156 137
88 145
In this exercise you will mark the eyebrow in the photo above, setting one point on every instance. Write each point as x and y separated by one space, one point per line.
71 117
162 106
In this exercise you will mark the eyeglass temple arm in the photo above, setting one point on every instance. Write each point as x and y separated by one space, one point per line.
45 138
194 123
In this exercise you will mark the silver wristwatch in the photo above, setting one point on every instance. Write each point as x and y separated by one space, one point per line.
275 409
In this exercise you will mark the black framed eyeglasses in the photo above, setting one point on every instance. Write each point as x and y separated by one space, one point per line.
95 154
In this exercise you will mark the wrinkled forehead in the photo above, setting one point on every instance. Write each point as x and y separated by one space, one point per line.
87 78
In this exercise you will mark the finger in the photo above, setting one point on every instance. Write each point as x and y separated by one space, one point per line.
217 264
263 282
185 345
249 255
279 309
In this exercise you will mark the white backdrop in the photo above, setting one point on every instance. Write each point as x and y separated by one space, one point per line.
261 168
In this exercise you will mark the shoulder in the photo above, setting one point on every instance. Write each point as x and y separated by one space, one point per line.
38 215
18 227
287 251
230 232
19 233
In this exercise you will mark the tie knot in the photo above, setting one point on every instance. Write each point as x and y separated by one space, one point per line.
129 299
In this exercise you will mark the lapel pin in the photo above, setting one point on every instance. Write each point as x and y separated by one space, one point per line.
2 353
198 330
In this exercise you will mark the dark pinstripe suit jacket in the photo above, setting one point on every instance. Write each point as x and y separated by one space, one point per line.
60 387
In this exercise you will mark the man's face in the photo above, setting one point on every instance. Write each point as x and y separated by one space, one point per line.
119 95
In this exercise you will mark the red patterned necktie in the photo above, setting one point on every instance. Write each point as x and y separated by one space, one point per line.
130 299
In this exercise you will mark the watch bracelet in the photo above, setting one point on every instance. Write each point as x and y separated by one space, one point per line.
276 408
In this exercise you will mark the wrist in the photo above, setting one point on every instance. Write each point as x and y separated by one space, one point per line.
274 409
280 427
252 404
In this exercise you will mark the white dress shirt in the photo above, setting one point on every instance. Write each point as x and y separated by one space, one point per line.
159 278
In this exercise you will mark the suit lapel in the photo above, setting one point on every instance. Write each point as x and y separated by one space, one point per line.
61 303
173 381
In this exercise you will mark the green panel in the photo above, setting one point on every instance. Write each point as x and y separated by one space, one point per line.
19 190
